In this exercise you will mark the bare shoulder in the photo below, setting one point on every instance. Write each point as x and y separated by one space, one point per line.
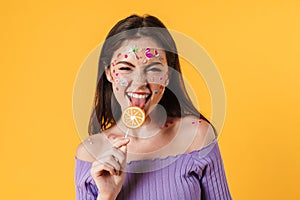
82 153
89 148
202 131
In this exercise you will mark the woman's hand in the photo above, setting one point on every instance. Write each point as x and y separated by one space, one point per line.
108 171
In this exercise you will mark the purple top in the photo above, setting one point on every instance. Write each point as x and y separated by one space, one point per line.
195 175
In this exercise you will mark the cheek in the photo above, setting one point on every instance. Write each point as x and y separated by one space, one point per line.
158 91
159 79
114 74
123 83
119 82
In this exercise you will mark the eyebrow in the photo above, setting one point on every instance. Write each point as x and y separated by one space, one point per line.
132 65
125 63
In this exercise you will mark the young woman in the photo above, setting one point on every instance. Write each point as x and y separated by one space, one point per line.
174 153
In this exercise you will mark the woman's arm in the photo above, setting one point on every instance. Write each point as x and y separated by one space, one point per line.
213 180
104 176
84 185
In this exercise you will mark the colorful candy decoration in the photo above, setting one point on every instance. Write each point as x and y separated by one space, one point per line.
134 50
194 122
148 54
123 83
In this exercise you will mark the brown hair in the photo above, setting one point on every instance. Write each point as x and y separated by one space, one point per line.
106 110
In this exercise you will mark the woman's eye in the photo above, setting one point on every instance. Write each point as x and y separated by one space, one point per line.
154 70
125 68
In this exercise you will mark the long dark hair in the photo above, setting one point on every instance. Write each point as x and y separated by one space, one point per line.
106 110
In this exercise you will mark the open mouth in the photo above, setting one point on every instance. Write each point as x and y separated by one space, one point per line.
138 99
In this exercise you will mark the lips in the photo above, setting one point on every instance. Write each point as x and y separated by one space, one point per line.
138 99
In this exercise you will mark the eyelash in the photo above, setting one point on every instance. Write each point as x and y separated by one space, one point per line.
154 70
125 68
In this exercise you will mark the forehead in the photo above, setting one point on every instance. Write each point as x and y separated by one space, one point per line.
138 45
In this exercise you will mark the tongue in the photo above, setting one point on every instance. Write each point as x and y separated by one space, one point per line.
138 102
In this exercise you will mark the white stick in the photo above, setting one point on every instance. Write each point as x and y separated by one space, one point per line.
126 134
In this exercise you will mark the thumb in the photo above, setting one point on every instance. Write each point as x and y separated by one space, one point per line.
123 148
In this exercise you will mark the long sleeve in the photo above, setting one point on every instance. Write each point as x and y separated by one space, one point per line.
212 177
84 184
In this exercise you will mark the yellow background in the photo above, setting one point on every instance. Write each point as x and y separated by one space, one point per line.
255 45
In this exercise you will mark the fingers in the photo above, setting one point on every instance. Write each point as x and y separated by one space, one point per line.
113 154
119 142
123 148
118 155
117 149
113 160
100 168
106 164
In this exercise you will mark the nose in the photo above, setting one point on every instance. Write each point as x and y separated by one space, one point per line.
139 79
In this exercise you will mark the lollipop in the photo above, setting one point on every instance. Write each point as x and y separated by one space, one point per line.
133 117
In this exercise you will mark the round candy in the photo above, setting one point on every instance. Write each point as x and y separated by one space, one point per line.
133 117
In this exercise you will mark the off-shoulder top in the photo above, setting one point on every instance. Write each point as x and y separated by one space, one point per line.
195 175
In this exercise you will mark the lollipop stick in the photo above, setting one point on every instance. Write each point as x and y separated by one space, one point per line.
126 134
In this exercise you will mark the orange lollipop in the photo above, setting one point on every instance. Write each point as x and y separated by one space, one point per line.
133 117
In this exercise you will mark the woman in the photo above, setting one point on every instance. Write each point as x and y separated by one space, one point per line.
174 154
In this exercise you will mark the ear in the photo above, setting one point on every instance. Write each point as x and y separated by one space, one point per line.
108 75
167 78
167 82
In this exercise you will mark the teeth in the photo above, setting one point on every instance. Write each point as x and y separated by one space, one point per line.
138 96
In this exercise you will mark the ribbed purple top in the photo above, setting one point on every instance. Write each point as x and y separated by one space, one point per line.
195 175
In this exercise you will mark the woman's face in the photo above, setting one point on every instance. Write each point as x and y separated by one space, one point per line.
138 73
